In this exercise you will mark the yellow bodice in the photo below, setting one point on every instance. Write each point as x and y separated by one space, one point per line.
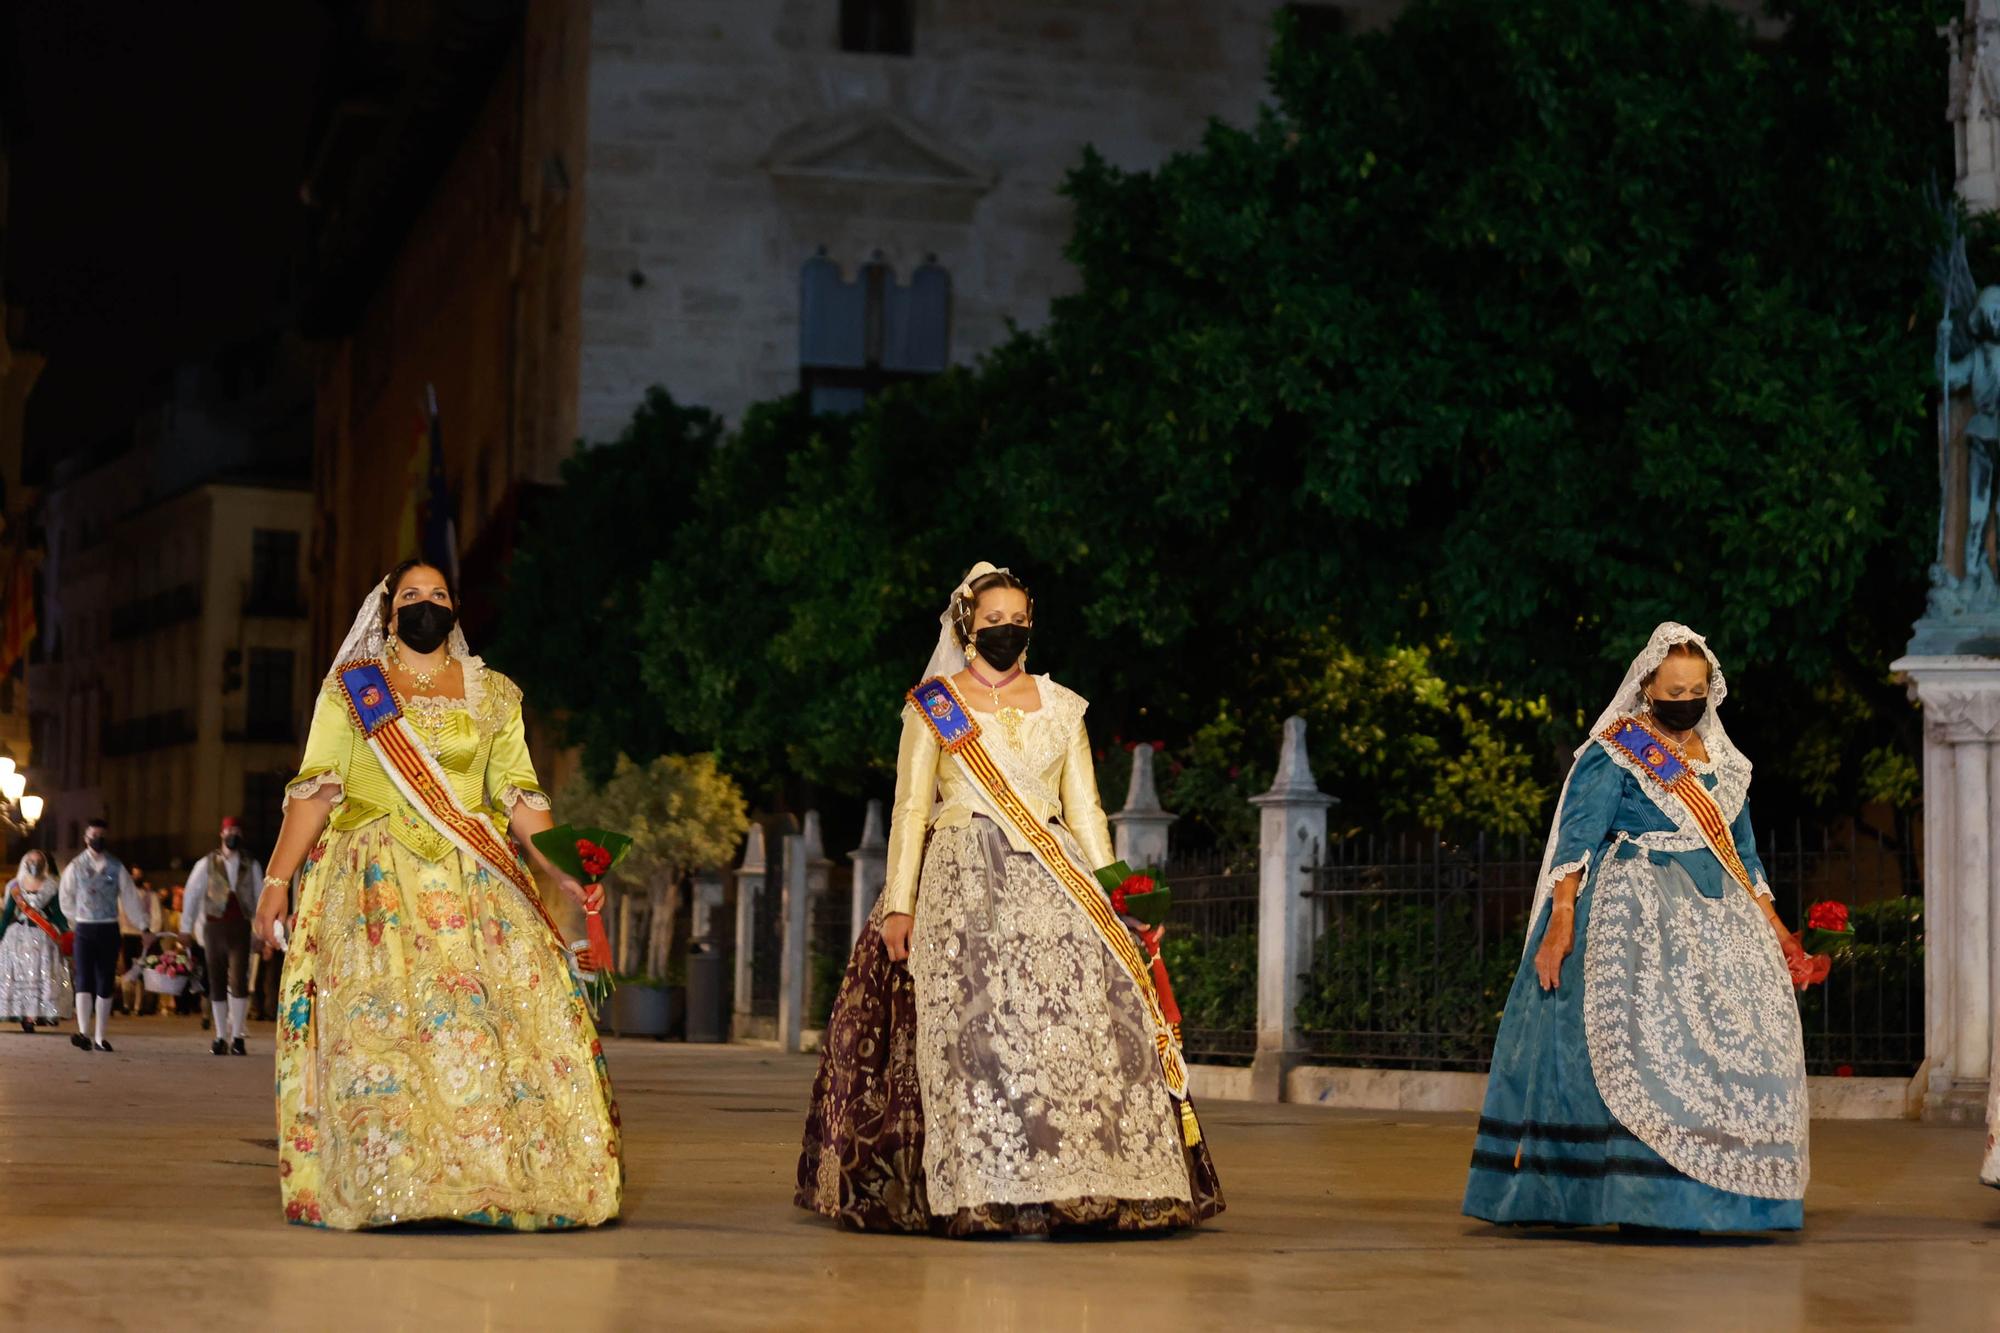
478 741
1047 756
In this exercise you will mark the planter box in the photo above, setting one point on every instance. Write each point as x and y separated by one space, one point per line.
643 1011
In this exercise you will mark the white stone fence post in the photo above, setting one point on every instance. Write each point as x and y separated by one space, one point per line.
1140 829
750 877
1291 840
871 870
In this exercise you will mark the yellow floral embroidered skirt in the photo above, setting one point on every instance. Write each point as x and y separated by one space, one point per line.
435 1057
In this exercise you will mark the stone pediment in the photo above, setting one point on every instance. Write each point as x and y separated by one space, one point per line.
875 147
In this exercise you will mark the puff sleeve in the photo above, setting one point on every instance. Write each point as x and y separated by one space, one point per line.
1082 809
910 816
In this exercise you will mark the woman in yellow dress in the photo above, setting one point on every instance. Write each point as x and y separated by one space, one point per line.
436 1059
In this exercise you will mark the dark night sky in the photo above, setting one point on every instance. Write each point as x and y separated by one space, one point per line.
156 152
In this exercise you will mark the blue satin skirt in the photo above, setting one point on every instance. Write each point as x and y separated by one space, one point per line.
1549 1150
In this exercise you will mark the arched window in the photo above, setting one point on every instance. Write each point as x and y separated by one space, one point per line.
858 336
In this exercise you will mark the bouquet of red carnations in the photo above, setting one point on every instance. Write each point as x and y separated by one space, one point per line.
587 855
1142 900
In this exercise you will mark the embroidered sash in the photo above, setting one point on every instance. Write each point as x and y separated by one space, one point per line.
374 709
957 733
1655 758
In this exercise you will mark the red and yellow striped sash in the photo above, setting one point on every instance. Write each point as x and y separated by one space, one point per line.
1654 756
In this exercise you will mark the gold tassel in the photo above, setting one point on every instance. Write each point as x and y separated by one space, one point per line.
1190 1127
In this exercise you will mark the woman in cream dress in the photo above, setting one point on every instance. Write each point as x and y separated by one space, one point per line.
990 1066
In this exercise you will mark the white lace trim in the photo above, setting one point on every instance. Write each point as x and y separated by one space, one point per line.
1762 888
1557 874
534 800
1667 970
307 788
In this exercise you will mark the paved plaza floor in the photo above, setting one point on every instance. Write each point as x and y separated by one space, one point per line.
139 1191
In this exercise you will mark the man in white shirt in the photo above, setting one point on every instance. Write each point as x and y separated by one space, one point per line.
217 908
95 888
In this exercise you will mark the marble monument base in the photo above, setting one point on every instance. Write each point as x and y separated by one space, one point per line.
1960 695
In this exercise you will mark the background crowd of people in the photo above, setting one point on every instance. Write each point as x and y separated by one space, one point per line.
182 942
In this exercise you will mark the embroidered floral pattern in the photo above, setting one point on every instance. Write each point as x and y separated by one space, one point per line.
1039 1077
420 1075
1694 1036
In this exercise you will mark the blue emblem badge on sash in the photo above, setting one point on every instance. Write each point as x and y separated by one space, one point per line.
947 717
369 697
1636 741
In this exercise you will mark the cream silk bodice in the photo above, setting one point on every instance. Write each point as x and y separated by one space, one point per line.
478 741
1048 760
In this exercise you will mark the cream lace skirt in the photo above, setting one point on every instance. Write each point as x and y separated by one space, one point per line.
1036 1058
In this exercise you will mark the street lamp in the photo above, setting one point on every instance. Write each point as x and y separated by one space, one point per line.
31 810
13 785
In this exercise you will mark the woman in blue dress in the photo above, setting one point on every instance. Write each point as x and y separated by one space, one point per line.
1650 1069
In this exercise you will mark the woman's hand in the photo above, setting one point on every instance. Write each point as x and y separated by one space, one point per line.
586 898
896 935
271 905
1556 944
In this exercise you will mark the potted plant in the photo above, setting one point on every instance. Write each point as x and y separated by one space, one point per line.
642 1006
681 812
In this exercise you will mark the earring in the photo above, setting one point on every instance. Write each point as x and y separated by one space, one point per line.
971 650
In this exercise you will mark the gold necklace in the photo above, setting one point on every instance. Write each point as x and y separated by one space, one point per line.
1008 716
422 679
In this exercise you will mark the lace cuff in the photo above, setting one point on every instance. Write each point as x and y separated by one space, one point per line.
1558 873
528 796
1762 888
304 789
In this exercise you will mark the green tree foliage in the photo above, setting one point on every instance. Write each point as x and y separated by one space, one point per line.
571 633
683 814
1500 336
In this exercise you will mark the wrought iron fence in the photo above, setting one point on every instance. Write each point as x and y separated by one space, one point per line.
828 943
1868 1016
1417 940
767 945
1211 955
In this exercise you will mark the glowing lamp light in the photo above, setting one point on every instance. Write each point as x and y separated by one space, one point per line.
31 809
13 785
6 767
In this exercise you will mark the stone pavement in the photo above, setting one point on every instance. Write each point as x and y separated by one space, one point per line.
139 1191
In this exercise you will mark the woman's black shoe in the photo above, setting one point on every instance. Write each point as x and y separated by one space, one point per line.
218 1047
28 1026
105 1046
238 1047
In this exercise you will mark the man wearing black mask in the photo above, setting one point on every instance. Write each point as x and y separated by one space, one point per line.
220 902
95 888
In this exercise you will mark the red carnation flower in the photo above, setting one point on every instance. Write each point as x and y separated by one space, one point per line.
1828 916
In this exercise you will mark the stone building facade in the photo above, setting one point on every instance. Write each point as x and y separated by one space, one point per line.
731 141
172 677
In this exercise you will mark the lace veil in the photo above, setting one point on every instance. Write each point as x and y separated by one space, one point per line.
1729 762
368 638
949 657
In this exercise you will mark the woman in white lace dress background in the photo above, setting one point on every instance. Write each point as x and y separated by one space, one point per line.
34 982
991 1065
1649 1070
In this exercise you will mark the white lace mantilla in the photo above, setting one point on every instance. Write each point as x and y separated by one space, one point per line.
1693 1032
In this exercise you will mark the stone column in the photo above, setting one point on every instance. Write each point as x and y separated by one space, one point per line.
1140 829
707 902
750 877
1290 838
1974 117
1961 701
792 960
871 869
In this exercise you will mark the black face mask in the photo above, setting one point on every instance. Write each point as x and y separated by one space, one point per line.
424 626
1002 645
94 841
1680 714
232 842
